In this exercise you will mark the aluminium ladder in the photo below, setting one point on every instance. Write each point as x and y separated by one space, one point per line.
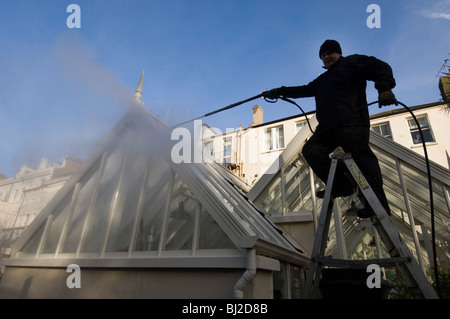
401 256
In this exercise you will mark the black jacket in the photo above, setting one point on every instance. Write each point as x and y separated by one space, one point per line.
340 92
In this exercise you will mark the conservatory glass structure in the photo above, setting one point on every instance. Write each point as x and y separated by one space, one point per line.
132 211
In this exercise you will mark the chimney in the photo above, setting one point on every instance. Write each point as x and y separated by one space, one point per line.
43 164
257 115
444 87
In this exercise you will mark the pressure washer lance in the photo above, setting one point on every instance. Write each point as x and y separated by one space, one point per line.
263 94
223 109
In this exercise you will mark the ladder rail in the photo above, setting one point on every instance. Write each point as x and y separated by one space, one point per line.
410 270
320 237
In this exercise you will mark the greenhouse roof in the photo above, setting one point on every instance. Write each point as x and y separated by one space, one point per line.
131 201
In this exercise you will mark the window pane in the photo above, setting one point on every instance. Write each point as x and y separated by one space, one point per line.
211 236
416 137
75 224
376 129
31 246
280 282
412 124
227 150
423 121
385 130
54 230
299 126
426 135
153 208
296 281
270 199
274 138
280 137
269 139
297 187
96 229
125 203
180 227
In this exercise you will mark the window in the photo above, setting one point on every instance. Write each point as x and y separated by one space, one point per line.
384 129
426 130
274 138
288 282
299 126
227 150
208 150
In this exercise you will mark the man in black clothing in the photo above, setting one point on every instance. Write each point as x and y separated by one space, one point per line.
343 116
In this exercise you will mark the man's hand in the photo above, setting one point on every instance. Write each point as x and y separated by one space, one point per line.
272 94
386 98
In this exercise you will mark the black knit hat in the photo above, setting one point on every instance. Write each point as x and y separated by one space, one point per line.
330 46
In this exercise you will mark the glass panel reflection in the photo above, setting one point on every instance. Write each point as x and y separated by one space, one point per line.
99 211
126 203
270 199
211 236
156 195
180 227
76 219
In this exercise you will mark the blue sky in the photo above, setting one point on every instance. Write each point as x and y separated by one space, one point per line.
62 89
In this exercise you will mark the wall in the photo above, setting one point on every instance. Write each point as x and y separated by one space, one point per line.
21 282
25 195
439 119
249 150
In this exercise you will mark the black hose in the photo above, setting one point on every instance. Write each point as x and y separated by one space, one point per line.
430 187
306 116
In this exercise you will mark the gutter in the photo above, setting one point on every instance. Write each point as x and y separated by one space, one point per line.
247 277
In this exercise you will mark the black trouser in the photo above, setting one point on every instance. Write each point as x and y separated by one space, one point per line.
354 140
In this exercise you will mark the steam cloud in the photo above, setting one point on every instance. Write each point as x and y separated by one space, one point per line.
79 102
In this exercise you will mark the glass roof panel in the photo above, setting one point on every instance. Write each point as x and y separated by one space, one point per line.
125 203
54 227
84 191
298 186
153 200
270 199
94 232
31 246
211 236
247 215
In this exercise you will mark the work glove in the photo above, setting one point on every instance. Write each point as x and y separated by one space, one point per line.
386 98
272 94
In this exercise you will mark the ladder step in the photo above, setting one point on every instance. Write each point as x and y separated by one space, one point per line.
358 264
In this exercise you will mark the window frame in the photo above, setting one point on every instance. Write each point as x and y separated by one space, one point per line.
379 126
272 138
415 130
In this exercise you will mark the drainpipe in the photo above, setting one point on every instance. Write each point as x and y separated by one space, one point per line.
247 277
